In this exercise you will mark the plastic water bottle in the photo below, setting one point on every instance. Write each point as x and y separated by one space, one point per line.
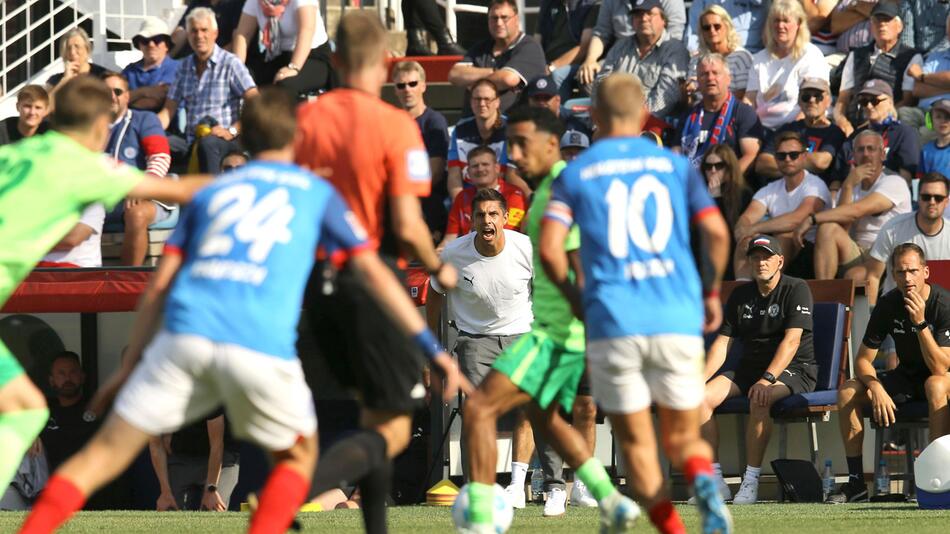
828 480
882 480
537 481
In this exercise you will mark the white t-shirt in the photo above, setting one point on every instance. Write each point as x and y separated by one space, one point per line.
493 295
288 23
864 231
782 77
904 229
778 201
89 252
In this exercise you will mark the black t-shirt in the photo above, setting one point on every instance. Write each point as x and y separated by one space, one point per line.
890 318
12 134
524 57
66 432
435 133
744 124
94 70
760 322
192 440
826 139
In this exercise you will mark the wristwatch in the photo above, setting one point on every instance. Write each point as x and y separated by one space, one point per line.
233 131
921 325
293 67
212 488
769 377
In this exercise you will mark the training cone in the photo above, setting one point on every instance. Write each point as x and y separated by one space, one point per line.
442 494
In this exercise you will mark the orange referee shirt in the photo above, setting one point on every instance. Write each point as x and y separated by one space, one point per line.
373 151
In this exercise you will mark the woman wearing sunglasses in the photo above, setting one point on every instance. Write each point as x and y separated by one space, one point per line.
901 145
718 35
729 190
76 50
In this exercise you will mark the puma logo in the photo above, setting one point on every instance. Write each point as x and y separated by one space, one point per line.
471 281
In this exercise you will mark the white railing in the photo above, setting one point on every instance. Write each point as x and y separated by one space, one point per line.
123 18
452 8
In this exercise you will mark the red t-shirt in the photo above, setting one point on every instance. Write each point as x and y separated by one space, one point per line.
460 214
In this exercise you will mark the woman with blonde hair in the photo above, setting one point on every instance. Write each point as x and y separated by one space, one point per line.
717 34
76 50
779 68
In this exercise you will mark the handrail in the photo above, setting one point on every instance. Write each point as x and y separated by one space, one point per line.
15 41
452 8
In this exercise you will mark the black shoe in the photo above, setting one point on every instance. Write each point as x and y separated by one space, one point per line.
849 492
417 43
447 45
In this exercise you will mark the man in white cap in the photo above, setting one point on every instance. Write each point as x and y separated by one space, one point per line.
150 77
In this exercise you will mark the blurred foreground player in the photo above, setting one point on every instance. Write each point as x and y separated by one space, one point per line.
39 203
242 250
634 203
374 156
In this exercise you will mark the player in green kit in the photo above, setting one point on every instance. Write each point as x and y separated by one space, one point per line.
542 369
45 183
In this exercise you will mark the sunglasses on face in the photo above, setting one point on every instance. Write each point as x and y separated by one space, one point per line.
924 197
402 86
808 96
714 166
155 40
862 102
793 155
707 27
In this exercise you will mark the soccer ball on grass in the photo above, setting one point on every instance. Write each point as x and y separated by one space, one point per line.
502 513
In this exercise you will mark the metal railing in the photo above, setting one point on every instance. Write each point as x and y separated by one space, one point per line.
452 8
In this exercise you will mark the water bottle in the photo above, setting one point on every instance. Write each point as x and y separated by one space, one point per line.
828 480
882 480
537 481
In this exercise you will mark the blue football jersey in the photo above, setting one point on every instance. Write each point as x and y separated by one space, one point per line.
633 202
248 243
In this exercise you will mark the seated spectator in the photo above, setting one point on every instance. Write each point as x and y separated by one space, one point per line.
718 36
32 105
508 59
869 197
778 70
82 245
409 78
565 30
819 24
727 186
780 207
420 16
197 467
658 60
778 356
234 159
211 85
483 171
822 138
923 227
613 25
76 50
901 146
913 314
227 14
931 83
748 17
850 25
150 77
720 117
295 43
885 59
486 127
935 156
542 92
68 428
924 22
573 142
137 139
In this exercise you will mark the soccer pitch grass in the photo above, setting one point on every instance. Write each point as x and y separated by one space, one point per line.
766 518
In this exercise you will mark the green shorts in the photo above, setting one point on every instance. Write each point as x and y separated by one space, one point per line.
9 366
543 368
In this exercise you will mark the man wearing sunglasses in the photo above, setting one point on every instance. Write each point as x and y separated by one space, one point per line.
823 139
150 77
901 143
786 203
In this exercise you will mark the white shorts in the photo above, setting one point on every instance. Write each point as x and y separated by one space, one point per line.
628 373
182 378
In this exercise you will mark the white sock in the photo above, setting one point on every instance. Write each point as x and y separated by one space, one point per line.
752 473
518 472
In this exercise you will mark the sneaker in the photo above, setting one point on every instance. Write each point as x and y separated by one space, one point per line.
515 496
715 516
748 492
580 496
554 505
849 492
723 490
618 513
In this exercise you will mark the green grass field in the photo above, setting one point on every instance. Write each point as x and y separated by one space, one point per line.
765 518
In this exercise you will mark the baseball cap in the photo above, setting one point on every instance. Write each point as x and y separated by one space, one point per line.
574 138
542 85
876 88
644 5
818 84
885 8
766 243
152 26
943 104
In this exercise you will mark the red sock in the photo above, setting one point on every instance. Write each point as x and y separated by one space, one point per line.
59 500
282 496
695 466
665 518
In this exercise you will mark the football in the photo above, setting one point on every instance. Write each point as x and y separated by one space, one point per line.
502 512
